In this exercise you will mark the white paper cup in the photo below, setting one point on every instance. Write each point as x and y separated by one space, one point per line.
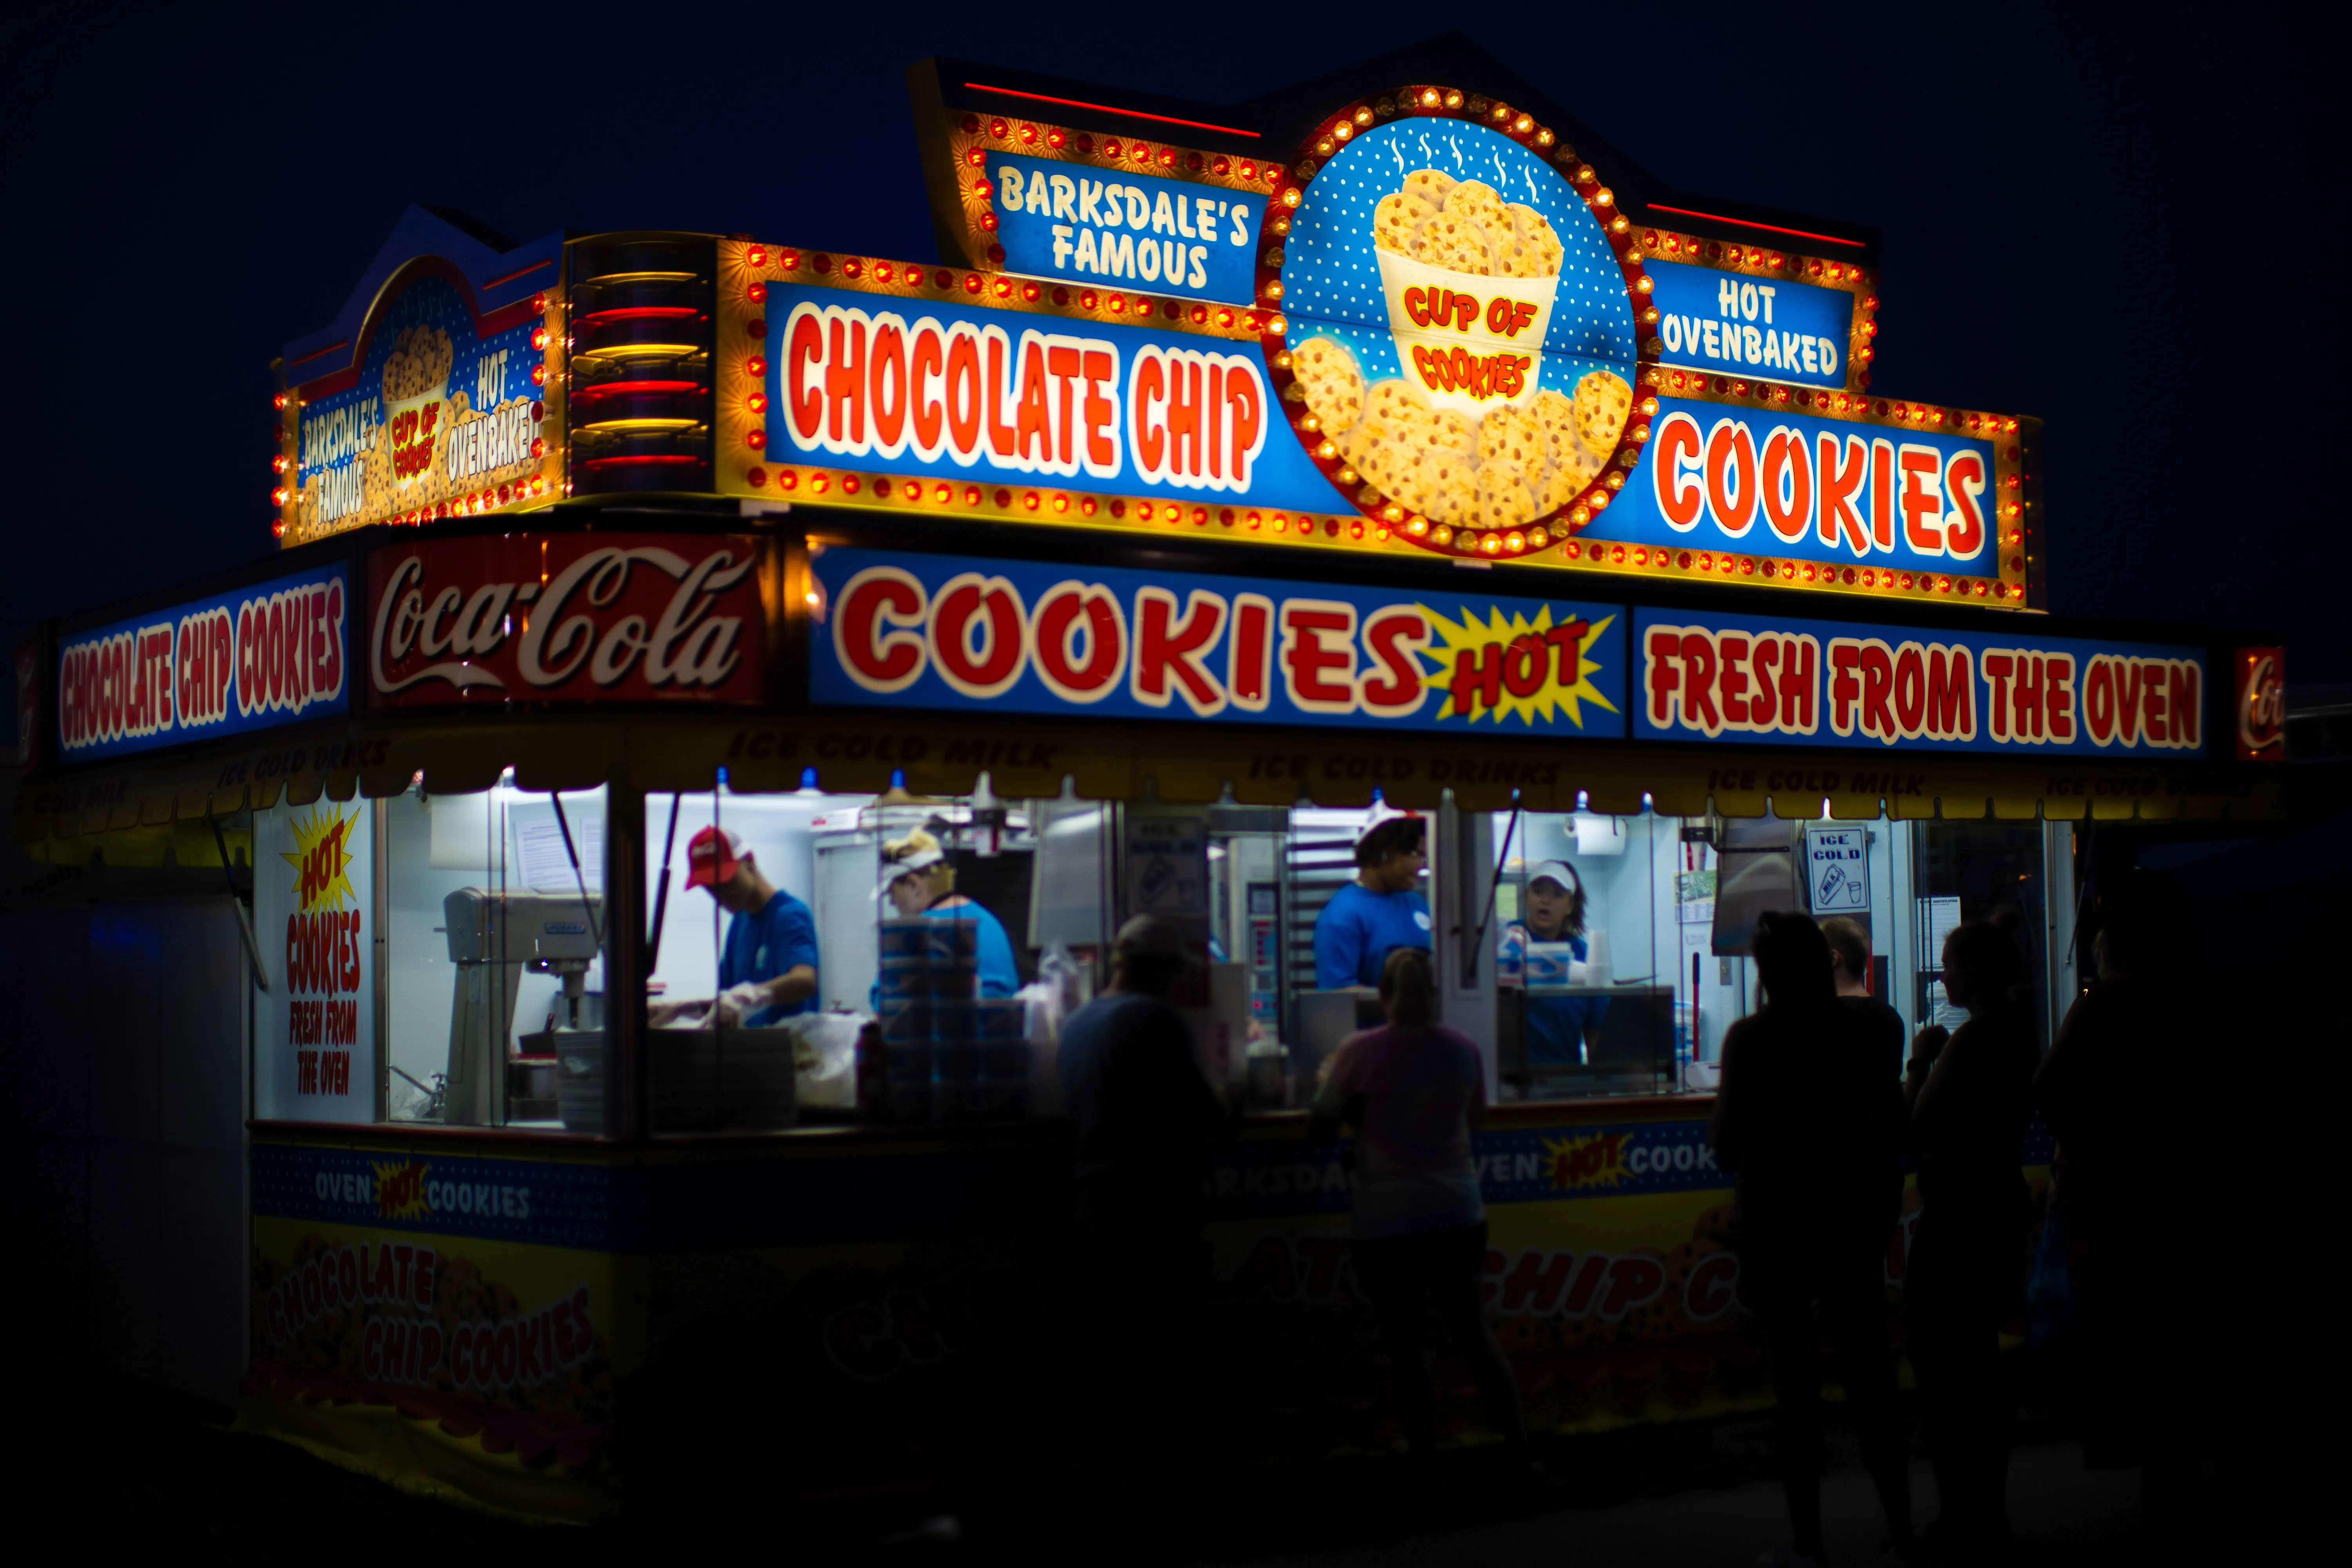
1479 340
430 449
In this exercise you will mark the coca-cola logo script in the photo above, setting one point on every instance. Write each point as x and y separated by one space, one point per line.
570 617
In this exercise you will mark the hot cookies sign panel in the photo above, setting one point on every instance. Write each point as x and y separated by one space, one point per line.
935 631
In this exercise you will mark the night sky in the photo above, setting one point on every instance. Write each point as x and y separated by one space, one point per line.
2128 222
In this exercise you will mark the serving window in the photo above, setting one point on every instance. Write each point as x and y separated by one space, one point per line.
1623 944
944 940
496 928
809 957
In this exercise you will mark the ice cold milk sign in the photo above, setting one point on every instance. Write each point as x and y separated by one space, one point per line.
1837 879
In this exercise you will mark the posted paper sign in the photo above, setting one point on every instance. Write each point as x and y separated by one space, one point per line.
1837 870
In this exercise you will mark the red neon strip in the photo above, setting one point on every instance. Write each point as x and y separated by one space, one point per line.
1107 109
638 460
1743 223
526 272
314 354
642 313
635 388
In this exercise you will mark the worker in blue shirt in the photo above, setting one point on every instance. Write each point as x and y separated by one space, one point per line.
1380 910
1559 1029
767 966
919 881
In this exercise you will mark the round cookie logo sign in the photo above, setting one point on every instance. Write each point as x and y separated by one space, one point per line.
1467 319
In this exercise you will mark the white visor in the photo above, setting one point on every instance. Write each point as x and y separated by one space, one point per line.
919 860
1558 871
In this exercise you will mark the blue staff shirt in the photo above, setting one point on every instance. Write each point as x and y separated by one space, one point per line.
1557 1027
999 975
1358 929
771 941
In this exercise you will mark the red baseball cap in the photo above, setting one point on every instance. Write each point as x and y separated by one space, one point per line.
713 855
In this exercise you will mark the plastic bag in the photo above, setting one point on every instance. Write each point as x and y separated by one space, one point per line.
1063 986
826 1056
2049 1286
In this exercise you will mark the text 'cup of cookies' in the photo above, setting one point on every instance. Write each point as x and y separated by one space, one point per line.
417 413
1469 281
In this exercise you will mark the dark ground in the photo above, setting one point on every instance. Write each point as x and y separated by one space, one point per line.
122 1474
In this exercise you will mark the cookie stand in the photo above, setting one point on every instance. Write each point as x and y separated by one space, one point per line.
1119 553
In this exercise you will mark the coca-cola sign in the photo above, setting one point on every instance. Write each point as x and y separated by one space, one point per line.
566 618
2262 705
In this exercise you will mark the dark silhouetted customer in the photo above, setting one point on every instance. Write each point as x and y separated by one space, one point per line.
1414 1089
1144 1116
1971 1096
1850 968
2130 1081
1811 1125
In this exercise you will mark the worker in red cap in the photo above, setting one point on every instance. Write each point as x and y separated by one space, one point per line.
767 967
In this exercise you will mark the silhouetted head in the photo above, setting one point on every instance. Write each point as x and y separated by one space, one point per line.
1148 957
1408 987
1849 949
1794 961
1982 967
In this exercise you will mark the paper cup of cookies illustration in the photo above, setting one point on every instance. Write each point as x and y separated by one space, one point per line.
415 402
1461 347
1469 280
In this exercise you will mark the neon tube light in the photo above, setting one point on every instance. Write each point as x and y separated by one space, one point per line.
1107 109
1744 223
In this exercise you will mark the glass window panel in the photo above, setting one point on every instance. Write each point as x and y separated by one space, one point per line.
494 922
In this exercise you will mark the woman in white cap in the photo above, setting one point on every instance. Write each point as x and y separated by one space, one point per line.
1558 1027
1382 909
919 881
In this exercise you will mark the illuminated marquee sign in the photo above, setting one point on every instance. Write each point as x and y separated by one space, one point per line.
1454 341
272 654
438 404
2261 705
1802 321
1783 681
1075 225
925 631
1466 322
566 618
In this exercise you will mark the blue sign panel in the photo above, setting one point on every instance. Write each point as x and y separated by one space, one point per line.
1779 329
1520 1166
965 393
1063 222
553 1204
258 656
936 631
1778 483
1784 681
445 405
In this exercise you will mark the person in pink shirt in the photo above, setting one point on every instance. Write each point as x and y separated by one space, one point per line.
1413 1090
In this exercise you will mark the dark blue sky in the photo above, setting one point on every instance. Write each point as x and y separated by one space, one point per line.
2129 222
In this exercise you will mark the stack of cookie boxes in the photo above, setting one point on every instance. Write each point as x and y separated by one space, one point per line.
950 1054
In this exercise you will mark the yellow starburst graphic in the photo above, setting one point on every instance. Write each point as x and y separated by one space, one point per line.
1537 669
399 1191
322 859
1595 1159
